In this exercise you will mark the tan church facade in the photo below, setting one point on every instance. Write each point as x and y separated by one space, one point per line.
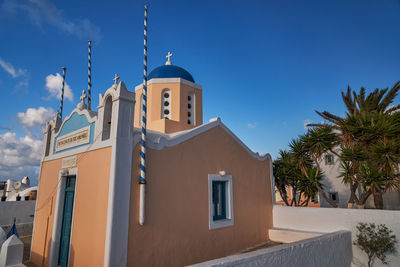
207 194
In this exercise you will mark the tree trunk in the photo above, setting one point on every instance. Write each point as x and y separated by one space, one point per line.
294 197
299 199
370 260
284 197
353 196
363 198
305 202
378 200
333 204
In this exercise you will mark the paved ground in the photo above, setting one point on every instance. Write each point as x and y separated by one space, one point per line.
27 248
266 244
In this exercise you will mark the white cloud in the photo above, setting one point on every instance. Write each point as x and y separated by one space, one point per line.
54 86
43 11
36 117
21 156
22 84
8 67
252 125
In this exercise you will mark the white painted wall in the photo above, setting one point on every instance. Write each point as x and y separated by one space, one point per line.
329 250
333 184
12 252
21 210
329 220
391 200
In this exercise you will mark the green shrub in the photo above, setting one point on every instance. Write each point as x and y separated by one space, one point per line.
376 241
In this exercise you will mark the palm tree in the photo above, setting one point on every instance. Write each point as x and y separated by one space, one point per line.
284 175
347 174
316 143
311 184
288 174
369 142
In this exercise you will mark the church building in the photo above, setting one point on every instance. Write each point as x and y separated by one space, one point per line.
207 195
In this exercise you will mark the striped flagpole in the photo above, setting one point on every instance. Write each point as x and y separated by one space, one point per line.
90 75
62 92
142 179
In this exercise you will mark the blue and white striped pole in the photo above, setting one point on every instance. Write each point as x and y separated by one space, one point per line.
62 91
142 179
90 75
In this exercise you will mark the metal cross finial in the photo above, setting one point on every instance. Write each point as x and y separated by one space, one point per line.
116 78
168 56
82 98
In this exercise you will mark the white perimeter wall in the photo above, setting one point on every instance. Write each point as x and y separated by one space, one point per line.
23 211
330 250
330 219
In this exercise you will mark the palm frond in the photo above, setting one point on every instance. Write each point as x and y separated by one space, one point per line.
390 96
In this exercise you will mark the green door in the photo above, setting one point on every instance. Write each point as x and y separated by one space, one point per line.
66 221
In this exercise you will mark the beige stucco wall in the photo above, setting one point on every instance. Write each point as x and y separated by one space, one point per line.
90 210
176 231
178 121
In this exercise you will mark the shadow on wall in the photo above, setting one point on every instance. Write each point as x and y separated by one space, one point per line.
38 260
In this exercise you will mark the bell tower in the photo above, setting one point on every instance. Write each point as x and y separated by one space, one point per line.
174 100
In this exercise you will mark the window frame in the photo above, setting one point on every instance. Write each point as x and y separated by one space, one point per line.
229 218
219 195
329 159
168 107
107 118
336 194
192 109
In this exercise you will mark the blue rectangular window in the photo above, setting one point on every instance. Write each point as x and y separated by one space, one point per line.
219 200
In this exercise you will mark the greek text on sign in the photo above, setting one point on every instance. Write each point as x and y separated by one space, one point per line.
69 162
76 138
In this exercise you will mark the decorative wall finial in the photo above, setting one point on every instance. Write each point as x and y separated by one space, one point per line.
116 78
83 96
82 104
168 56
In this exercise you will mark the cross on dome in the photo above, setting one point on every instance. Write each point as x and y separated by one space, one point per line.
116 78
168 56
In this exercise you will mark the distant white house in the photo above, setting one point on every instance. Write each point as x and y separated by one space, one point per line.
14 189
340 193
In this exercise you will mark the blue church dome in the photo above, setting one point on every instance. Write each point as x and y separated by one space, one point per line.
170 71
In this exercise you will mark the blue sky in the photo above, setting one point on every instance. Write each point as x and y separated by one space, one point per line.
265 66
